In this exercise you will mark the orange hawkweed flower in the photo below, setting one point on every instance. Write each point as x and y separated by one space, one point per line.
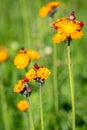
21 61
19 87
23 58
3 54
67 28
22 105
31 74
43 73
49 9
33 54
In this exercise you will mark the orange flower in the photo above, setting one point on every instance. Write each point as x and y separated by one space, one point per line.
31 74
49 9
21 61
33 54
22 105
43 73
67 28
3 54
19 87
24 57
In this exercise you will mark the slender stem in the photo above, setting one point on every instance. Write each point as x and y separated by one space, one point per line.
26 120
30 115
71 87
3 102
41 109
55 79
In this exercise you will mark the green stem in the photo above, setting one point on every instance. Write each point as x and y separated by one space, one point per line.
71 87
55 79
41 109
30 115
3 102
26 120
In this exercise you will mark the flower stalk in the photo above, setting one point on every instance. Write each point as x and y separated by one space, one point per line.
30 115
41 108
26 120
71 86
55 80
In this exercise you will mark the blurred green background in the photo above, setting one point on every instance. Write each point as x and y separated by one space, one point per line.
21 26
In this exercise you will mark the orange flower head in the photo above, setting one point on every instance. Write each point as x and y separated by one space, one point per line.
49 9
43 73
22 105
67 28
31 74
21 60
19 87
33 54
3 54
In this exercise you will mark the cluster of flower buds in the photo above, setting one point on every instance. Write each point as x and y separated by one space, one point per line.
28 89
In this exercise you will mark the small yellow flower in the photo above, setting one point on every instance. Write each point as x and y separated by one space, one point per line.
19 87
21 61
22 105
33 54
43 73
49 9
31 74
3 54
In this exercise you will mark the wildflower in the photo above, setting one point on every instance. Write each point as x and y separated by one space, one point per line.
21 60
49 9
19 87
23 87
3 54
22 105
24 57
43 73
33 54
31 74
67 28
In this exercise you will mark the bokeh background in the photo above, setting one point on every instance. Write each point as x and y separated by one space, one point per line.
21 26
